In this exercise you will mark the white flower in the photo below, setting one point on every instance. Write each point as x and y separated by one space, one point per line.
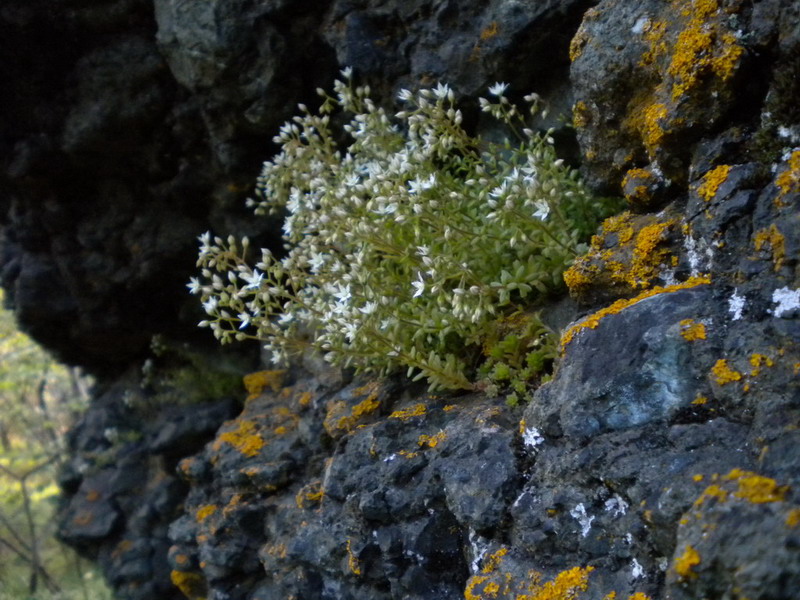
369 308
316 262
404 95
253 280
347 72
342 294
350 331
419 286
194 285
210 305
498 89
542 210
245 319
441 91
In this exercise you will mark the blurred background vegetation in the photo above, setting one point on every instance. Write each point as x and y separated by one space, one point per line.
39 399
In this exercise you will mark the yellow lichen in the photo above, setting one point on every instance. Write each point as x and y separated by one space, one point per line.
566 586
490 31
592 321
639 596
692 330
686 562
494 560
702 50
580 115
758 362
700 400
774 240
578 43
257 382
204 512
305 399
352 561
474 581
191 585
652 129
408 413
788 181
756 488
635 186
711 181
431 441
723 373
310 494
793 518
244 438
654 32
491 589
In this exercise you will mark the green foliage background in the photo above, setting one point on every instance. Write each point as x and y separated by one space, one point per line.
38 400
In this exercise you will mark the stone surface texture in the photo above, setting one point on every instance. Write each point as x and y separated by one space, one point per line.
659 462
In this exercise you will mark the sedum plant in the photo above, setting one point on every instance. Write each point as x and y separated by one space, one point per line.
406 243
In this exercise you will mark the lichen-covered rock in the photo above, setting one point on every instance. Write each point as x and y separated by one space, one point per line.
659 462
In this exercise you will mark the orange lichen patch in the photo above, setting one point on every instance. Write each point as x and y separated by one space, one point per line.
578 43
491 589
652 126
686 562
700 400
352 561
407 454
692 330
244 438
756 488
431 441
750 486
758 362
305 399
702 49
191 585
566 586
450 407
788 181
490 31
126 545
494 560
628 254
592 321
92 496
580 115
793 518
257 382
636 186
202 513
405 414
711 181
713 491
474 581
723 373
773 239
342 417
654 32
310 494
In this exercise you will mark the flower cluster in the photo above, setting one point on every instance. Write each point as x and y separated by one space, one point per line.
404 243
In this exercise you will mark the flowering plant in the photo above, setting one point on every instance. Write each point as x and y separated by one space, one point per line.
405 244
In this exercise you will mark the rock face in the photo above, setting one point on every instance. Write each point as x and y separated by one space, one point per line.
659 462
